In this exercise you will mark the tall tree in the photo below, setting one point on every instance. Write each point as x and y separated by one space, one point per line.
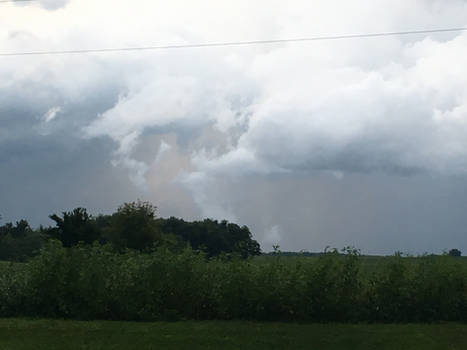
212 236
73 227
134 226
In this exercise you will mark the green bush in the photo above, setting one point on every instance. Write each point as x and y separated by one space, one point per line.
97 282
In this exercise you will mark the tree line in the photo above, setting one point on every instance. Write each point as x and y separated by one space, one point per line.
133 226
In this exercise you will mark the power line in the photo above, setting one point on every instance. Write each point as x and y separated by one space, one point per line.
231 43
13 1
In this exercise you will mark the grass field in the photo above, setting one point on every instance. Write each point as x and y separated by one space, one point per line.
16 334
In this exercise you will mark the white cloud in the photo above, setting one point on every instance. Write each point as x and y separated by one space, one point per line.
163 149
386 105
353 105
393 105
357 119
51 114
137 170
200 186
53 4
272 236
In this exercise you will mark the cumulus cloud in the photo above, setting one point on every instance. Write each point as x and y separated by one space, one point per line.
356 105
405 117
372 106
187 124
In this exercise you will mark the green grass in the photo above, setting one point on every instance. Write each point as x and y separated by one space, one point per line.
22 334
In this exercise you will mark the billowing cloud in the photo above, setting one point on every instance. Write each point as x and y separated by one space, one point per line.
196 128
405 117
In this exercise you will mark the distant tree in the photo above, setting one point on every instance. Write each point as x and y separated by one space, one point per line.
20 229
102 221
18 241
455 252
133 226
212 236
74 227
245 244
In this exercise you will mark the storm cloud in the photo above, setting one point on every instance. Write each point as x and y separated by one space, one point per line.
360 142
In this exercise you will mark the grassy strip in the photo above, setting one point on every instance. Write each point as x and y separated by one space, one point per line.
16 334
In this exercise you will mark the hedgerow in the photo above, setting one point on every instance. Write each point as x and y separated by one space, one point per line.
98 282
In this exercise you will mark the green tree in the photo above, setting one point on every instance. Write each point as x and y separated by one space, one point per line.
18 241
73 227
212 236
454 252
134 226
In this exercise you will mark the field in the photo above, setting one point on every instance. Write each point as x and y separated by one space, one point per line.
366 293
22 334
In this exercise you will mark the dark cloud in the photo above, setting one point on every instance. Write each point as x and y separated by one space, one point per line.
45 174
47 165
359 142
378 213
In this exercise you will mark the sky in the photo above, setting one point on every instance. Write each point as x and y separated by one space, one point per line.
357 142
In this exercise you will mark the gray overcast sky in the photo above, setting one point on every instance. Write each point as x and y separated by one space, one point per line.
353 142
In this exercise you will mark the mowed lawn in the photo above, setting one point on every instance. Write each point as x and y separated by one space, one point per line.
18 334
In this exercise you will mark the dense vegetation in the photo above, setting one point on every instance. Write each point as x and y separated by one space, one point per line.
19 241
21 334
97 282
134 225
131 265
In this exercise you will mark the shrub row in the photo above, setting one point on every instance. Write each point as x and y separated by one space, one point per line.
94 282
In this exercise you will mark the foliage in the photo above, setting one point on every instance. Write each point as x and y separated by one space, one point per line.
73 227
95 282
455 252
133 226
212 236
20 229
18 241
